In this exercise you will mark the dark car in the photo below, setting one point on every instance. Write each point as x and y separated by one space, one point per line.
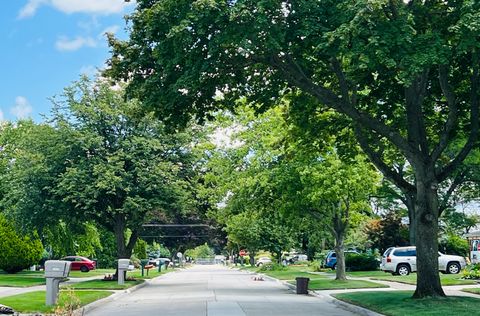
80 263
331 260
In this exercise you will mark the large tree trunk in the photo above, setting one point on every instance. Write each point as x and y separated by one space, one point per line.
340 273
410 204
426 227
124 249
339 229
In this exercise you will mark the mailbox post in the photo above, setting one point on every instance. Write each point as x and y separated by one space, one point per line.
122 269
55 271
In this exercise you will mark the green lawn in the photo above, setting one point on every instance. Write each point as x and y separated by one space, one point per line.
474 291
22 279
151 274
35 301
96 272
446 279
400 303
330 284
290 275
103 285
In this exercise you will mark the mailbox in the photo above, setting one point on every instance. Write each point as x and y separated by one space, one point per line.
55 272
123 264
57 268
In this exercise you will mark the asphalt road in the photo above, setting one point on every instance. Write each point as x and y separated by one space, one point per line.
216 291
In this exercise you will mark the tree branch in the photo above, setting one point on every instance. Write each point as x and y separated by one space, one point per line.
414 96
442 174
452 113
374 156
294 75
456 182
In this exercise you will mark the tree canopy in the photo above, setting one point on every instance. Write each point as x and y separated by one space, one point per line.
405 74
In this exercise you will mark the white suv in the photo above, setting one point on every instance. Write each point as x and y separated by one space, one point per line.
403 260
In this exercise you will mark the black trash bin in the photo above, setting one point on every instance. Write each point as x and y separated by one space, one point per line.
302 285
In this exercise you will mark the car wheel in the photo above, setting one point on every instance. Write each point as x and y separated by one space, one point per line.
84 269
259 264
403 269
453 268
334 267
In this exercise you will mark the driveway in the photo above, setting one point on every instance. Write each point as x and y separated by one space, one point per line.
216 291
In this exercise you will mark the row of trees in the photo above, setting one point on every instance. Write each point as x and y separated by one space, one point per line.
402 75
88 178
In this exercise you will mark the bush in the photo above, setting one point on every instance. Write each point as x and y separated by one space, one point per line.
455 245
17 253
273 267
472 271
316 265
361 262
140 249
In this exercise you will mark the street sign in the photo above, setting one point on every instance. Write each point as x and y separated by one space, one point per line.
242 253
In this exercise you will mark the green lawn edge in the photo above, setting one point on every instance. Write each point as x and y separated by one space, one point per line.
102 285
34 302
331 284
400 303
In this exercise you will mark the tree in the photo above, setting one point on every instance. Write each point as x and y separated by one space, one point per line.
387 231
405 73
126 168
18 252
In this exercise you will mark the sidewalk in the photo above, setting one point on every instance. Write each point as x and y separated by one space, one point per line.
9 291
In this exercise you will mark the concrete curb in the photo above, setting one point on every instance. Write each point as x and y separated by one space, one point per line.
115 296
343 305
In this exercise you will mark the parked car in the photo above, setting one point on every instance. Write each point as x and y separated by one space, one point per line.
403 260
331 260
293 258
263 260
157 261
80 263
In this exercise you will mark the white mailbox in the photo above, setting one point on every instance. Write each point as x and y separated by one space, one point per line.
123 264
122 270
57 268
55 272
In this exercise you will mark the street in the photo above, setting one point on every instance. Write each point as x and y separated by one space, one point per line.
215 291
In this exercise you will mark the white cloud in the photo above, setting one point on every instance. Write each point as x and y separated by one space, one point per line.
103 7
30 8
1 116
65 44
22 108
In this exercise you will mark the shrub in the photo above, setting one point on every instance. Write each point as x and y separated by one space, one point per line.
273 267
17 253
140 249
316 265
455 245
472 271
360 262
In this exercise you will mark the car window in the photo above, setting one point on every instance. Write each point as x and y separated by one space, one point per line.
412 252
333 255
401 252
68 259
387 252
78 259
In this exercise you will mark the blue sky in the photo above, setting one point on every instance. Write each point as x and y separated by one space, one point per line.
47 44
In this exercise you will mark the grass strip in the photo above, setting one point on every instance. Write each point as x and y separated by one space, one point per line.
330 284
446 279
34 302
103 285
400 303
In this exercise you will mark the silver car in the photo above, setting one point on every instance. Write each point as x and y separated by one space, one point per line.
403 260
